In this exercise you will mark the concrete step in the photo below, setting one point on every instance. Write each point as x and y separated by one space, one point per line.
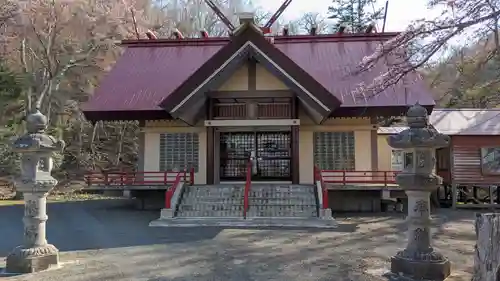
209 205
266 200
210 214
277 200
278 214
212 198
283 196
216 201
266 206
249 222
280 189
212 201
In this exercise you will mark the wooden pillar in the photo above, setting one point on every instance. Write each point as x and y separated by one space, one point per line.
295 135
210 145
454 196
374 144
497 194
142 147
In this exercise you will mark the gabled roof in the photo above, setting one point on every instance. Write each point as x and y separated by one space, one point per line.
150 71
248 42
462 122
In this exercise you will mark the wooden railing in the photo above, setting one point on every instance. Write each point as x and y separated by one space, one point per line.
248 184
274 110
170 192
358 177
230 111
145 178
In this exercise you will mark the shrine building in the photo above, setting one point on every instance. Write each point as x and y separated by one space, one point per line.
284 102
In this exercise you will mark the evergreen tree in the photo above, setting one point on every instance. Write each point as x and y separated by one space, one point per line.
10 94
355 15
10 87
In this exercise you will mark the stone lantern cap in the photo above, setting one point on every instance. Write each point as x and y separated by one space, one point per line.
36 140
419 134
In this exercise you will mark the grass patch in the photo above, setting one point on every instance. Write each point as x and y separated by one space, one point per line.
71 197
11 202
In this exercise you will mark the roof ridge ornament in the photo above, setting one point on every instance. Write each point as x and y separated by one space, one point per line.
246 17
247 20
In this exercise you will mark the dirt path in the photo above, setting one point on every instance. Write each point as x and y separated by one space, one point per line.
103 241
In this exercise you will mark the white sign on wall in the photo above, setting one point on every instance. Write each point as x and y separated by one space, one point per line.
397 160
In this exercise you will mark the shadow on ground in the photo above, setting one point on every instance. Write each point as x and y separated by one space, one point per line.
104 224
108 240
95 224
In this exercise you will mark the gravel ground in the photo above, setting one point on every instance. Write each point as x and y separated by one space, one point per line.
103 240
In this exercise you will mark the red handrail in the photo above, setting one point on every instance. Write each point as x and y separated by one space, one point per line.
341 177
191 176
170 192
324 191
248 183
136 178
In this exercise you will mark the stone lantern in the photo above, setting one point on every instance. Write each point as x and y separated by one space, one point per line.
419 143
36 149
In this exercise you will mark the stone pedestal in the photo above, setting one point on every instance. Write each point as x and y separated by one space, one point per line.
28 260
36 164
419 260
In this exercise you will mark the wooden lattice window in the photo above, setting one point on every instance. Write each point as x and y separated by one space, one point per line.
179 151
334 150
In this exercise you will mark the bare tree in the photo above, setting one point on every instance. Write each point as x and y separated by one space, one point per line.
313 19
192 16
54 47
426 39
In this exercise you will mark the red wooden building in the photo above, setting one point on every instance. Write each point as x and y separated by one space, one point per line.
470 167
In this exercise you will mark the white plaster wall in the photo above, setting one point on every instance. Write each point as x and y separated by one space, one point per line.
238 81
151 152
267 81
306 156
384 154
362 148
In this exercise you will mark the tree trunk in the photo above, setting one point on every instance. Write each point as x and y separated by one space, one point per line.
487 256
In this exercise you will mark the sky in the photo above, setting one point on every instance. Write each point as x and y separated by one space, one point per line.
400 12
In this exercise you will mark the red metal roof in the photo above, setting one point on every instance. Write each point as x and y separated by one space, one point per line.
143 76
149 71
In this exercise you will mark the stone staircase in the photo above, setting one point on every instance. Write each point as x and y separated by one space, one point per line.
284 201
211 201
265 201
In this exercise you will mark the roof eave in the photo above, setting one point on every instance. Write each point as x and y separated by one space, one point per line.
125 115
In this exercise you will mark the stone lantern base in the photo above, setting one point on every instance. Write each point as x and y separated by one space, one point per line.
421 269
29 260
